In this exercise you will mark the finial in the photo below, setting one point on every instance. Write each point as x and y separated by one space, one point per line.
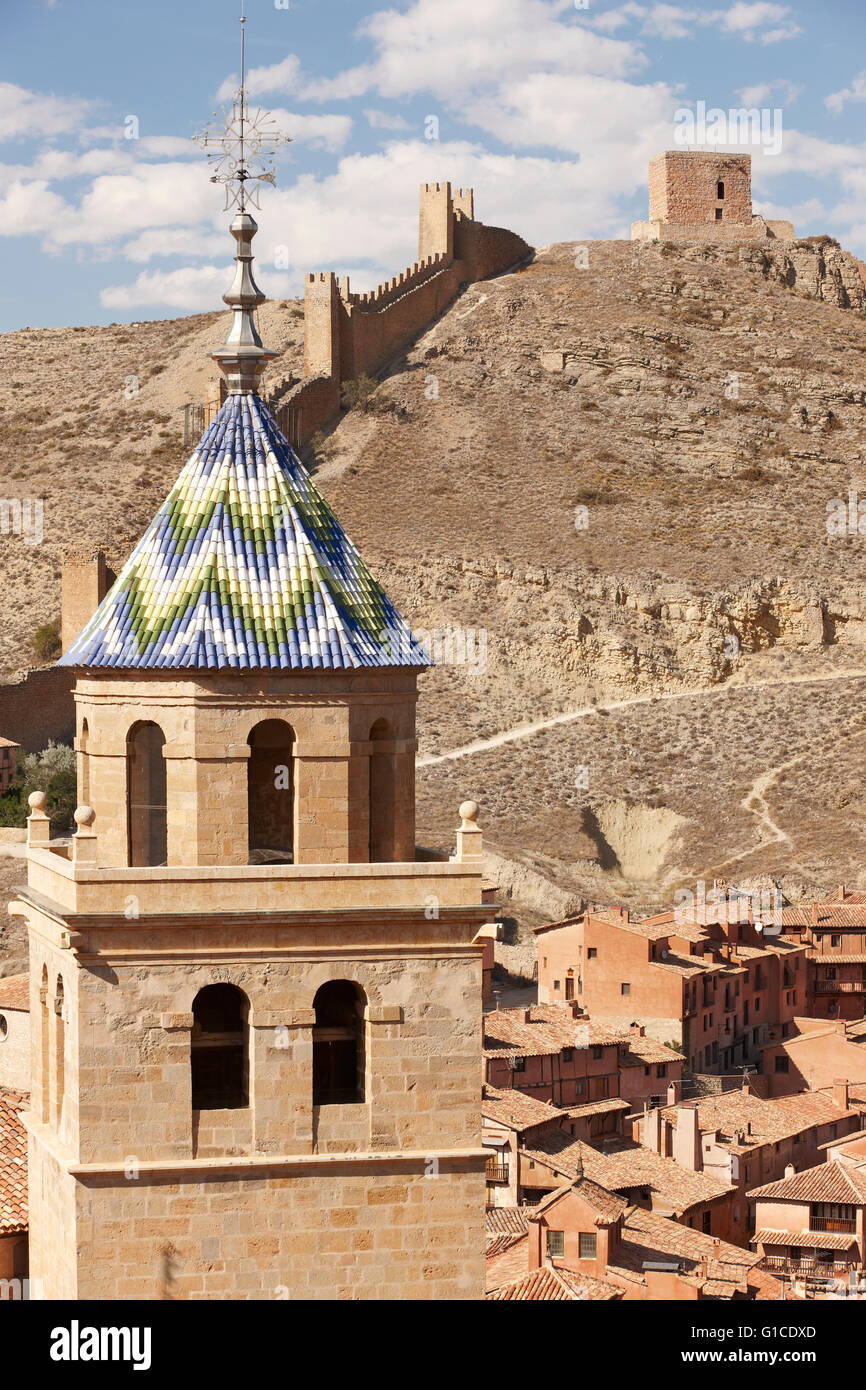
468 812
241 150
37 801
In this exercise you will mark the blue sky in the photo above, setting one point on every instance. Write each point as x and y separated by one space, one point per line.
549 108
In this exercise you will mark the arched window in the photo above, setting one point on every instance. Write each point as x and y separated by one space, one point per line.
218 1049
338 1044
382 794
45 1047
145 770
59 1050
271 792
720 189
84 766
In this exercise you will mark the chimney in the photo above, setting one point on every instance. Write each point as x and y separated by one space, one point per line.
652 1130
704 1266
687 1139
527 1015
840 1093
841 892
576 1009
790 1170
636 1030
717 1247
675 1092
813 915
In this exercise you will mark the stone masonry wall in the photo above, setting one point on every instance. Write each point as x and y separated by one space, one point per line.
684 188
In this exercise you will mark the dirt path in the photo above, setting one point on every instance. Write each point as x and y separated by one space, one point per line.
520 731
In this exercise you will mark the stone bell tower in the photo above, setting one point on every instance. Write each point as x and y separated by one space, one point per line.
255 1014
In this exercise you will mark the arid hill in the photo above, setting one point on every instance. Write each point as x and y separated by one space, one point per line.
620 473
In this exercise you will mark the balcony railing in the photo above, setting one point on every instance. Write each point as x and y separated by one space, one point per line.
840 986
839 1225
496 1172
821 1269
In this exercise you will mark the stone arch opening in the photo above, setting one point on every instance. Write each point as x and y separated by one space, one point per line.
339 1044
219 1049
146 796
271 792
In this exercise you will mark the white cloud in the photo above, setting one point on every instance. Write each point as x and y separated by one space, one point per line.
284 76
856 92
385 120
192 288
25 114
748 21
328 132
763 93
149 195
449 47
28 208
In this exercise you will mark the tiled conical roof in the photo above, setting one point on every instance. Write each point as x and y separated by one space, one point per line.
246 566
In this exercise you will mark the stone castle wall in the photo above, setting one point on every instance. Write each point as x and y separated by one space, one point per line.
39 709
347 335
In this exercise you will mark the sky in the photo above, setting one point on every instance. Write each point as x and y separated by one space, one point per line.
550 109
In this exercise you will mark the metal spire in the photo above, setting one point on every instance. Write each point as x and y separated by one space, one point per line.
241 150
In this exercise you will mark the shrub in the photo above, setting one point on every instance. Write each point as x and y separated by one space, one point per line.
46 641
358 394
52 771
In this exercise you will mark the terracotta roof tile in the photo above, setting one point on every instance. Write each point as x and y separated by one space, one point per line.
839 1181
807 1240
516 1109
625 1166
13 1162
553 1284
770 1120
505 1220
551 1028
15 993
648 1236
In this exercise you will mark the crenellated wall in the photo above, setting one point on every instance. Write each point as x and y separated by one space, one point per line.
347 334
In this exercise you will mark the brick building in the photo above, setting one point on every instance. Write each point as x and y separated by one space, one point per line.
834 932
555 1053
646 1179
585 1242
742 1140
813 1223
719 990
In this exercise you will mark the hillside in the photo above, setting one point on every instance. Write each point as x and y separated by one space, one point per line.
700 563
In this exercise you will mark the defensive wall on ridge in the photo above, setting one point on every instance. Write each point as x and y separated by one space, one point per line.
347 335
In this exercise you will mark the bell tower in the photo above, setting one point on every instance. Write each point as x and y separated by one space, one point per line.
255 1015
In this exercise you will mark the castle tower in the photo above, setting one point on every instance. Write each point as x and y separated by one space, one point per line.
255 1015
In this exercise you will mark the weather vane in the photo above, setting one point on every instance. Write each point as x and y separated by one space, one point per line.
242 145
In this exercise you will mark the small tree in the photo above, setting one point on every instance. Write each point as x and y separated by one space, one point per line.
358 394
45 641
52 771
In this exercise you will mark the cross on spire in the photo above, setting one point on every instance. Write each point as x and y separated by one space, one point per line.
241 146
242 152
